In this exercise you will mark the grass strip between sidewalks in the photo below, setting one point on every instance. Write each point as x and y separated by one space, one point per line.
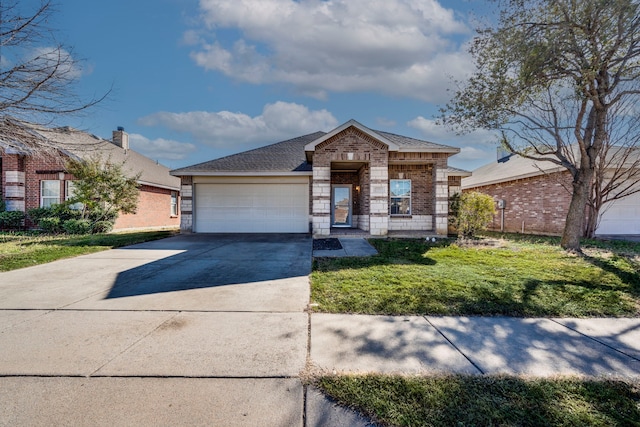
510 276
458 400
19 250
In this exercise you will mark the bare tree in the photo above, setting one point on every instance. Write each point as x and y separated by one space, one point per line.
549 75
37 75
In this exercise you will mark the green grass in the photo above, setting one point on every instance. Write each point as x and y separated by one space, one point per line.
458 400
19 250
524 276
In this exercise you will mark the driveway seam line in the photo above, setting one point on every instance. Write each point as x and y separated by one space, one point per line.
133 344
454 346
220 377
595 339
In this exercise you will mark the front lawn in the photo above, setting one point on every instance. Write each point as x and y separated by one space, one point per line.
25 249
459 400
511 276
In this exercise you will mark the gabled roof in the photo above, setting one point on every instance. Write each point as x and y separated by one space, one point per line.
513 167
294 156
393 141
82 145
282 157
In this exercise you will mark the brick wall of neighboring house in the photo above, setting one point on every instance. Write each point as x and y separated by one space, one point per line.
536 205
154 210
154 203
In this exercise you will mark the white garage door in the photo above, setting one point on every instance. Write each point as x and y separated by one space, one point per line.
621 217
252 208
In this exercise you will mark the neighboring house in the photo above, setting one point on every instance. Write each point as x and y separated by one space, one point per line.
32 181
351 177
535 198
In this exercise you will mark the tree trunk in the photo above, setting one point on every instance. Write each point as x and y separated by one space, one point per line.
574 225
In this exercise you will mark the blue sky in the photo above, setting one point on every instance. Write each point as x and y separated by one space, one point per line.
196 80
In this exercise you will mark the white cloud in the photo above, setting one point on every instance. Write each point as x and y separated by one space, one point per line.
161 148
58 60
396 47
225 129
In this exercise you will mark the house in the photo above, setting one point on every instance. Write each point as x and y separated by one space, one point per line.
40 180
351 177
534 197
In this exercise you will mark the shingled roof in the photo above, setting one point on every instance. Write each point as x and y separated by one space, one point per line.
285 156
289 156
82 145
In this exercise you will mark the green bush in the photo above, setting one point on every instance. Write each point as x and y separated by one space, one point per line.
11 219
76 226
37 214
102 227
50 224
3 206
473 213
64 212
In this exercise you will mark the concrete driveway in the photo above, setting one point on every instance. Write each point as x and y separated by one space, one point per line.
193 329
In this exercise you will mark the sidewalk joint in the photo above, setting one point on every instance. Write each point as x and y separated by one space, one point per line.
454 346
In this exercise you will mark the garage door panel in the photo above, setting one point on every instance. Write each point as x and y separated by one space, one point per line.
252 208
621 217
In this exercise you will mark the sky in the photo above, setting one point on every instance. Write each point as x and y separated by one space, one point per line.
191 81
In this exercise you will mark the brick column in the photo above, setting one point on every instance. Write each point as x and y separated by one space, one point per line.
379 201
321 189
186 204
442 201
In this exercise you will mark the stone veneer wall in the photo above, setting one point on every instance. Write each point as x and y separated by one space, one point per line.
351 145
186 204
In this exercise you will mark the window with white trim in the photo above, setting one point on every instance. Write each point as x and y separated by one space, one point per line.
400 191
49 192
174 203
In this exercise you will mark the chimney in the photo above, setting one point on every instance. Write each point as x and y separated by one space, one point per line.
121 138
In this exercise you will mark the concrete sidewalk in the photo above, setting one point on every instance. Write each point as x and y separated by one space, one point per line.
476 345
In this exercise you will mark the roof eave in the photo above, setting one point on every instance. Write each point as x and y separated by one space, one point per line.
450 150
512 178
154 184
241 173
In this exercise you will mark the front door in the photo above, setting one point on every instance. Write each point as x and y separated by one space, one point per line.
341 206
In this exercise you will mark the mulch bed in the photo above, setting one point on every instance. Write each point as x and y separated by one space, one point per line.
329 244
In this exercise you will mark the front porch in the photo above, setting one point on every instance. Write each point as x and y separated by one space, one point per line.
364 180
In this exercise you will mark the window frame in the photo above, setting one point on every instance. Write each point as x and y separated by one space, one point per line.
49 198
173 204
399 197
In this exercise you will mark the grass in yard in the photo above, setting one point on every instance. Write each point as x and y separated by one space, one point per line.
458 400
25 249
512 276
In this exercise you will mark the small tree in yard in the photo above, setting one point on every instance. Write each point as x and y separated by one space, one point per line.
473 213
103 189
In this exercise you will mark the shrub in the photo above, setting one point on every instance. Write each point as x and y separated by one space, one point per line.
76 226
37 214
50 224
11 219
102 227
474 212
3 206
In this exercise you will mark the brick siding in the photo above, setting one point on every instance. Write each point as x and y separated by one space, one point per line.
154 210
536 205
154 205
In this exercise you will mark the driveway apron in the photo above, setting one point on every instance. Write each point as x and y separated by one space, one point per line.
223 315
